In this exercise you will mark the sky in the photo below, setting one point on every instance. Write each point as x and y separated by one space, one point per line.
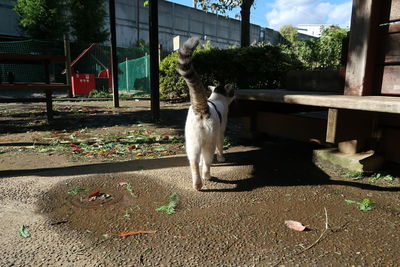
276 13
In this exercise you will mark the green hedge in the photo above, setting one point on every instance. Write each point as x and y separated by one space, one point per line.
251 67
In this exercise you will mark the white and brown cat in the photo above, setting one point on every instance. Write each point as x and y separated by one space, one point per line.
207 118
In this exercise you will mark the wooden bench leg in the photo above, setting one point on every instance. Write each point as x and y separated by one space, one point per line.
49 105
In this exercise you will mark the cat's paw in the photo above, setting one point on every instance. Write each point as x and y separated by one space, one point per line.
220 158
198 186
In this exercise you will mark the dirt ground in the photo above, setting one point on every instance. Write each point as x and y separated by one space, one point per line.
98 171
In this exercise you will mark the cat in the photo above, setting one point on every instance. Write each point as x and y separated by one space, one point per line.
207 118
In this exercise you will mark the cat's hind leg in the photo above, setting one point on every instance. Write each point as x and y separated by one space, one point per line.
220 148
207 155
194 160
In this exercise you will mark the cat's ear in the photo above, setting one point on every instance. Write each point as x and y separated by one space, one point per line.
211 88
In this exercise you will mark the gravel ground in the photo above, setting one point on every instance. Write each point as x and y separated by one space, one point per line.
236 220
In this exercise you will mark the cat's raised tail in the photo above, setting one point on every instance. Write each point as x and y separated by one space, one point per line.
198 97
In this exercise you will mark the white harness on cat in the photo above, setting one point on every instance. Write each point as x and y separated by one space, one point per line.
215 107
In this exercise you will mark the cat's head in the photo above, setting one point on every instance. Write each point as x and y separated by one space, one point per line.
227 90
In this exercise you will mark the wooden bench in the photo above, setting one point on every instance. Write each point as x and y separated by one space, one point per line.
46 87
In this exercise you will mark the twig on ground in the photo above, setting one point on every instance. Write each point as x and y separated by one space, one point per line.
322 234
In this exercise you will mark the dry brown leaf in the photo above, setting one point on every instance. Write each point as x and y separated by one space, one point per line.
123 234
294 225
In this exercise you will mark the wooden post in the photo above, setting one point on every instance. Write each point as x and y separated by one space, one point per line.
365 19
114 61
154 63
49 101
68 72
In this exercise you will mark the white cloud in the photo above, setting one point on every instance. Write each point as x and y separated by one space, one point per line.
296 12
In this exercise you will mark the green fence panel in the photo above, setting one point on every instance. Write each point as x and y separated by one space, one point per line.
135 76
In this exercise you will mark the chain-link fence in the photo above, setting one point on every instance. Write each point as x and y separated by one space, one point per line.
133 63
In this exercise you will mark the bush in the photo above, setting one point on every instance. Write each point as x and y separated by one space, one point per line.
322 53
262 66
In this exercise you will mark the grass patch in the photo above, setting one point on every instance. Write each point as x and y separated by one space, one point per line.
354 175
170 207
365 205
377 176
74 191
99 94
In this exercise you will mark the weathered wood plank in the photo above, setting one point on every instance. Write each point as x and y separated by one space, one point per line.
29 59
394 28
34 86
395 10
367 103
392 48
391 80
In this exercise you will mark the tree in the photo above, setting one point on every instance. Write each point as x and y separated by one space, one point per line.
224 5
42 19
87 20
289 33
323 52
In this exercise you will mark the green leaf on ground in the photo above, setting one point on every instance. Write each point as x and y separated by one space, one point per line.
74 191
24 232
170 207
365 205
377 176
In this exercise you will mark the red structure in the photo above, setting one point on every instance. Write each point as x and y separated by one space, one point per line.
82 84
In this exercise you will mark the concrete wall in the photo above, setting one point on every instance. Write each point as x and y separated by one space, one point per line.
174 20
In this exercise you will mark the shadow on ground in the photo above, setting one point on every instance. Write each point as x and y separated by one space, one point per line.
277 164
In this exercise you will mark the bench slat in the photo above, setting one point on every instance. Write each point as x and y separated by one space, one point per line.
387 104
33 86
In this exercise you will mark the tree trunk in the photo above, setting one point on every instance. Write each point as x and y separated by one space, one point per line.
245 31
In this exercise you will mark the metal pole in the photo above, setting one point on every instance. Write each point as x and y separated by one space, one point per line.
127 71
154 64
68 71
114 63
137 20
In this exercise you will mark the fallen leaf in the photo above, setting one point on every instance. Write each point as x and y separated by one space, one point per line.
123 183
165 138
124 234
294 225
132 147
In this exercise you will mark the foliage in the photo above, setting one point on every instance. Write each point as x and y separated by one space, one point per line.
365 205
170 207
219 6
172 86
99 94
87 20
50 19
324 52
42 19
262 66
289 33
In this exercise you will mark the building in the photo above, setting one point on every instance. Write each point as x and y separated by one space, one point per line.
311 29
